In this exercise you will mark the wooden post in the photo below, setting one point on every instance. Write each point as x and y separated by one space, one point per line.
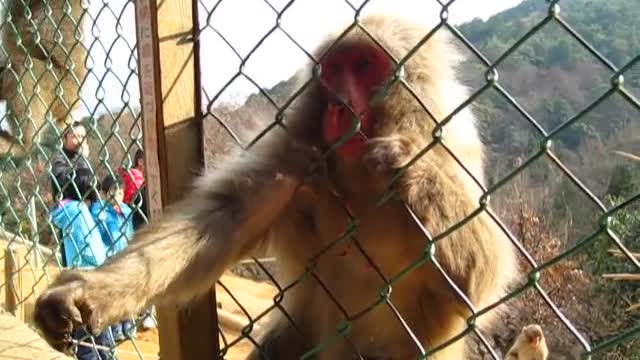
35 234
13 283
170 92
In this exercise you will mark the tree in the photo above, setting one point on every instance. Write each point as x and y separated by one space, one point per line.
622 183
562 55
559 111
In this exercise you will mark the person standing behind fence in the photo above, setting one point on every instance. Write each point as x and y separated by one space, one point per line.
83 247
72 156
114 218
135 195
135 189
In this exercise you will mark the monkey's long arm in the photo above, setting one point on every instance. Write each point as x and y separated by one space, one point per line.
195 241
179 255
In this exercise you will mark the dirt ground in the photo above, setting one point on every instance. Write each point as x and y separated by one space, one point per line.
255 298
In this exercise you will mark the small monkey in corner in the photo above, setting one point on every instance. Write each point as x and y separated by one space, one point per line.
529 345
269 197
44 68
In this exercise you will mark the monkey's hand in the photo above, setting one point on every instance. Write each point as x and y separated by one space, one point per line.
68 303
302 161
386 155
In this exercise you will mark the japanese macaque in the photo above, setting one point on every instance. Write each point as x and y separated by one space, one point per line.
529 345
293 193
45 67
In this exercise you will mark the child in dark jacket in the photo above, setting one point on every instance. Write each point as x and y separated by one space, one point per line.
115 221
82 248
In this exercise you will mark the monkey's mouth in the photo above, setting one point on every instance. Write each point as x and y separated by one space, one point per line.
346 126
534 340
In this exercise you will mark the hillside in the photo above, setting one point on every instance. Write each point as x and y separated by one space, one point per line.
565 77
554 77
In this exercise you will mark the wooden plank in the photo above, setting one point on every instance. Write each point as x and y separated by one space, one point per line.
618 253
24 281
622 276
151 101
13 283
175 32
19 342
191 332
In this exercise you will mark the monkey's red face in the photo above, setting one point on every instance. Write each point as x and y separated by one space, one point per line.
350 76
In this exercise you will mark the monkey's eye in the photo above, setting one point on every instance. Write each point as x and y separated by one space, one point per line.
361 65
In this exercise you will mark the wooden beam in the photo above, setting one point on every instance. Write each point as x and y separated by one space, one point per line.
173 138
151 101
622 277
13 283
618 253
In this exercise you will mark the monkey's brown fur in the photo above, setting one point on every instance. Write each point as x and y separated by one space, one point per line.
45 72
262 199
529 345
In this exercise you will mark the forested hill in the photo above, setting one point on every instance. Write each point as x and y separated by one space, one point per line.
611 26
554 76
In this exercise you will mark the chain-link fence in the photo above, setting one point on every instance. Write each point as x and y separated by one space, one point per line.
74 198
554 86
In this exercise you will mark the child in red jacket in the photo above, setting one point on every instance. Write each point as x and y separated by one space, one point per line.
134 190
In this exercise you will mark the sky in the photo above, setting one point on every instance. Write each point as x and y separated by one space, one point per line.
110 35
307 21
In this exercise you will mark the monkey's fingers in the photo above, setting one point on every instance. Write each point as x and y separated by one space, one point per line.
387 154
56 313
302 160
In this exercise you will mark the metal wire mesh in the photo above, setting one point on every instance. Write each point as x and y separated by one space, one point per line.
34 186
32 241
227 126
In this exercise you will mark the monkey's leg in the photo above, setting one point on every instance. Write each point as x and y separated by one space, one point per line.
282 341
456 350
175 258
9 146
27 107
62 106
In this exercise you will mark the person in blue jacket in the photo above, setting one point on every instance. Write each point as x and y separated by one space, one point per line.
115 221
82 248
114 217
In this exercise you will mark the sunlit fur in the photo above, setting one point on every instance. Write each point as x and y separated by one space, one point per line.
263 200
45 67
